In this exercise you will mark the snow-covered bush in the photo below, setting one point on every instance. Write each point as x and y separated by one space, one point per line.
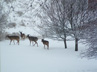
11 25
3 20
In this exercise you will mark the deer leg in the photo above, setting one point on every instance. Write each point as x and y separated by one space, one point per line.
44 46
34 44
18 42
10 42
23 37
30 42
13 42
37 44
48 47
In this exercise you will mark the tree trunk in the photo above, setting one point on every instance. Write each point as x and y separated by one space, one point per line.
76 44
65 43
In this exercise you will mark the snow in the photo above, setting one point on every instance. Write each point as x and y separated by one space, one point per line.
26 58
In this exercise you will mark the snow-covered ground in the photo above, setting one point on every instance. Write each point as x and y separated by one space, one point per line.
26 58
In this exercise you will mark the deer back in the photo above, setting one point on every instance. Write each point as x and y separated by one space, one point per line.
45 42
13 37
32 38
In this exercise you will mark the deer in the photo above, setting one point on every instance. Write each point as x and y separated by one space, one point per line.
32 38
12 38
45 42
22 35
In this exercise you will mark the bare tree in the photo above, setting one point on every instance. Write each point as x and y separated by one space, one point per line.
76 13
90 34
65 18
55 19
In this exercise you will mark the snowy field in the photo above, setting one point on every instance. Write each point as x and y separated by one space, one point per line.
26 58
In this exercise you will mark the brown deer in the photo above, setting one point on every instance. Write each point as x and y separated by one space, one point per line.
12 38
22 35
45 42
32 38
